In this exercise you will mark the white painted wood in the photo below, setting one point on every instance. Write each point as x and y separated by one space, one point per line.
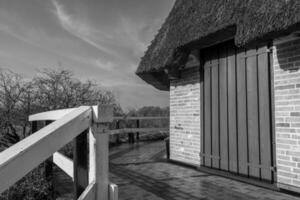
89 193
92 156
113 192
101 116
102 154
64 163
50 115
103 113
21 158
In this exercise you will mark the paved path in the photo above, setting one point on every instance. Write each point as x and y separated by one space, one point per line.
142 173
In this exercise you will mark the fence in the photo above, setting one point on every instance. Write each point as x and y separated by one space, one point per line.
88 128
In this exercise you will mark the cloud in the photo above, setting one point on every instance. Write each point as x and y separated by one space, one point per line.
77 28
107 66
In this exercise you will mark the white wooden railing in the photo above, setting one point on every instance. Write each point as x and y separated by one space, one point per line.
90 178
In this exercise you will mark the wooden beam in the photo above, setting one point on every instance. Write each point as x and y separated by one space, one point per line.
21 158
89 192
101 133
64 163
103 113
102 155
113 192
140 118
128 130
80 159
92 156
138 126
50 115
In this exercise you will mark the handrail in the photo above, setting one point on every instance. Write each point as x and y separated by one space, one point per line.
50 115
130 130
21 158
141 118
57 114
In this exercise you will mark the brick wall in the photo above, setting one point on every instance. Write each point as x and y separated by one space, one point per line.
286 62
185 117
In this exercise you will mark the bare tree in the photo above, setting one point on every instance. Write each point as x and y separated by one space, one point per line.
11 90
49 90
59 89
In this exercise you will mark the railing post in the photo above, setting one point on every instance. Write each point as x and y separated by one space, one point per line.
118 135
138 133
103 115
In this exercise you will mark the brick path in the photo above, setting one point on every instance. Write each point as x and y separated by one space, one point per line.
142 173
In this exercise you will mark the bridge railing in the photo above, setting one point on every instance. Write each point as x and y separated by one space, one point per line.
89 168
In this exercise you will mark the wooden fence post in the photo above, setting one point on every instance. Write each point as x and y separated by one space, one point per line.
138 133
103 115
80 159
118 135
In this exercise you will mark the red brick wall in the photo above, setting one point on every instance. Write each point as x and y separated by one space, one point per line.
286 62
185 117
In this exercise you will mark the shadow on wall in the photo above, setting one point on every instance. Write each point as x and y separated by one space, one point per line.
288 55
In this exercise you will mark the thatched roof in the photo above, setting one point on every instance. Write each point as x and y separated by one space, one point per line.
199 23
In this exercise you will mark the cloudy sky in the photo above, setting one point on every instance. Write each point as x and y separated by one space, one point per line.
101 40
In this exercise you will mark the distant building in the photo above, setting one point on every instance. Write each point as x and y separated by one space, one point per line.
233 71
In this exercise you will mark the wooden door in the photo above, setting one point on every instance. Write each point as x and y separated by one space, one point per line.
236 111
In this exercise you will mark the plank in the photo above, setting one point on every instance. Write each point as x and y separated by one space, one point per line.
89 193
92 157
242 113
142 118
50 115
64 163
202 142
207 115
215 110
128 130
101 134
223 110
264 114
252 110
232 105
21 158
113 192
102 155
80 159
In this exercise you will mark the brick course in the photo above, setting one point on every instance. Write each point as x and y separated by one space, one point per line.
185 117
286 66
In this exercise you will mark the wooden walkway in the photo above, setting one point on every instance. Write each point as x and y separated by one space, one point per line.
142 173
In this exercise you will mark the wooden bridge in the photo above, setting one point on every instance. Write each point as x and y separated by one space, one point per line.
88 128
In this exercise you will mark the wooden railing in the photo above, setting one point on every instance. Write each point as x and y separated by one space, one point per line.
88 170
88 128
118 130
